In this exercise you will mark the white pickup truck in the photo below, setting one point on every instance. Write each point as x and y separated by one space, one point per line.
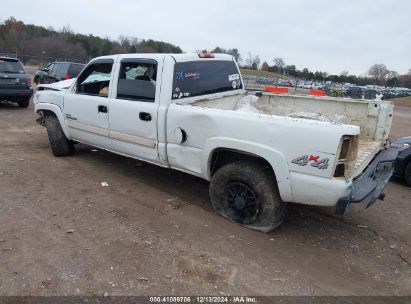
191 113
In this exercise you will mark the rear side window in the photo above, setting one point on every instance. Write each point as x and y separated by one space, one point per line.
137 80
75 69
205 77
11 66
62 69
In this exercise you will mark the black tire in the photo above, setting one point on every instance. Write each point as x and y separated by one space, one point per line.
23 103
246 193
407 174
60 145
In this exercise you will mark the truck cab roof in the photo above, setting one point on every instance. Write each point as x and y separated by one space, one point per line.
177 57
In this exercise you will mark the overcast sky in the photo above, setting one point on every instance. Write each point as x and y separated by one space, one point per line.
326 35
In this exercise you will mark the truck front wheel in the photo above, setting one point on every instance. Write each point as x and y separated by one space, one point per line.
60 144
246 193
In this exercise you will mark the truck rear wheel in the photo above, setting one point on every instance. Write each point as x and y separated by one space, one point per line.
246 193
60 144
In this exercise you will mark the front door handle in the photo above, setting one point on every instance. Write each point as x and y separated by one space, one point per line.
145 116
102 109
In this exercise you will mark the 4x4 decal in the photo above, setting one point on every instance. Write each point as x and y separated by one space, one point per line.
314 159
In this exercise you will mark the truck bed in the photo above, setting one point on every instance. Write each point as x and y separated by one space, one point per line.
371 116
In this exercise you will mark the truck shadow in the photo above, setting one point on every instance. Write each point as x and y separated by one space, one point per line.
312 237
194 190
9 105
399 181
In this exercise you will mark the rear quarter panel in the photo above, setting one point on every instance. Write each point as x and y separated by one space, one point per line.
279 140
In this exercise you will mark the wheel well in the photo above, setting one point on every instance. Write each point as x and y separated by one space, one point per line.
43 114
46 112
223 157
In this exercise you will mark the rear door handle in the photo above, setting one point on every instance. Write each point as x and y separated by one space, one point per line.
102 109
145 116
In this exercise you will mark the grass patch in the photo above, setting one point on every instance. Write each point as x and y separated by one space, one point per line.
403 101
263 74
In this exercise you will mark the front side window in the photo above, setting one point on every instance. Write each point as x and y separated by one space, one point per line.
95 79
137 80
52 68
197 78
49 68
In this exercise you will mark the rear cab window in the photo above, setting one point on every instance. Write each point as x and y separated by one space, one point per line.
11 66
196 78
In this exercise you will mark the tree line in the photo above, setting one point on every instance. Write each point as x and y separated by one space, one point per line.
33 43
378 74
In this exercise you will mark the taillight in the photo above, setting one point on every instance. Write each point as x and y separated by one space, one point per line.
67 76
29 82
206 55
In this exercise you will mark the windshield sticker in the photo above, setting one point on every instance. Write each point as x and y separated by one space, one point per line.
234 84
233 77
192 75
180 94
180 75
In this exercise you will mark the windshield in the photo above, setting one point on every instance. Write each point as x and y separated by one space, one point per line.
196 78
96 77
11 66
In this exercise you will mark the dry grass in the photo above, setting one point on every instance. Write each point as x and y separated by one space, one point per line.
403 101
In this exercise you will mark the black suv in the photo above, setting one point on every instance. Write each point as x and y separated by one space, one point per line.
57 71
15 84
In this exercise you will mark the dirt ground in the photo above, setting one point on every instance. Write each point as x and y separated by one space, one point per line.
152 231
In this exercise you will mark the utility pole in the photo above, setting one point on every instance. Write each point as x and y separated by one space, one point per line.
41 58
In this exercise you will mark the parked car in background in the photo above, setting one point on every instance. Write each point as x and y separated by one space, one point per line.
403 163
15 83
57 71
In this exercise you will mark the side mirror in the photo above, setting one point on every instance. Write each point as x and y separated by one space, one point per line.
45 69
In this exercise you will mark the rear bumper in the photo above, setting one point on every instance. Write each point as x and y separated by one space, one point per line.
15 94
369 186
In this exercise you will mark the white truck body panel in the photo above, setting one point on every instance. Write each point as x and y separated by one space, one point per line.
287 127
